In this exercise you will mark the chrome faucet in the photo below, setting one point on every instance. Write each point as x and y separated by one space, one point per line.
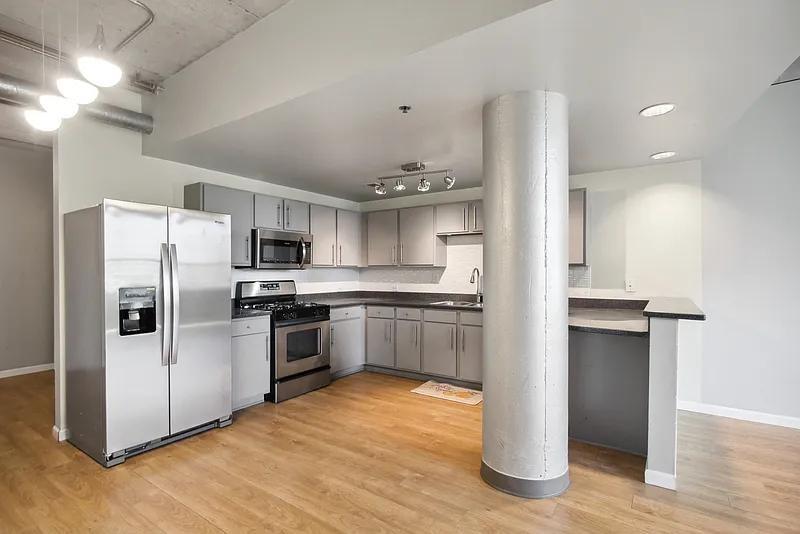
475 278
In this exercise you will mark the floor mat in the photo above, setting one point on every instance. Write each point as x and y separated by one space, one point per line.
449 392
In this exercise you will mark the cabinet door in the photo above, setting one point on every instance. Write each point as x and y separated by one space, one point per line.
408 348
452 218
347 344
348 237
295 216
323 227
470 356
249 369
239 205
380 342
577 226
439 349
476 216
417 245
382 238
269 212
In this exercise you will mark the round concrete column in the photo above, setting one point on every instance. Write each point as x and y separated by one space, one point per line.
525 205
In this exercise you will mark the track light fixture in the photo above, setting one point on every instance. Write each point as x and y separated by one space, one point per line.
413 169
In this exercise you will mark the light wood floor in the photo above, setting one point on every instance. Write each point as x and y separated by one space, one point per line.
367 455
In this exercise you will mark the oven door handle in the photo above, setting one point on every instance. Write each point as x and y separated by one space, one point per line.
301 245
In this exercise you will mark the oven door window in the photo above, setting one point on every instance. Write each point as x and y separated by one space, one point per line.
278 251
303 344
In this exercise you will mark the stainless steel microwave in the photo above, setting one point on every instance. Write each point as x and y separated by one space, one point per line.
280 250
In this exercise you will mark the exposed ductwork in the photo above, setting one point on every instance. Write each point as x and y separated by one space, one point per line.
20 92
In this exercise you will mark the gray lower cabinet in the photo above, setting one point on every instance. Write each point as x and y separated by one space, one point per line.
295 216
408 345
380 341
238 204
347 344
439 349
470 355
323 227
249 362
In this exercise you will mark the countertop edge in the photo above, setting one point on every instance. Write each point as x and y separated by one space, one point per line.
673 308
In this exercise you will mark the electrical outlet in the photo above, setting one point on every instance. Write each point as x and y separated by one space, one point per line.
630 287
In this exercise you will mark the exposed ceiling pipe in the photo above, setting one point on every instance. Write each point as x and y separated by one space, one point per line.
20 92
133 81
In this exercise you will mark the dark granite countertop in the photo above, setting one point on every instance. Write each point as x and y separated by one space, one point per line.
606 316
674 308
238 313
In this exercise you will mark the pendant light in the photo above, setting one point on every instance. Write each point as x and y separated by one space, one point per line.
56 104
70 87
44 120
95 64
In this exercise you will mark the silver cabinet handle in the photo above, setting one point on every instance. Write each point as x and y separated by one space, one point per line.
333 339
475 217
451 338
278 210
465 219
247 248
340 254
288 215
333 254
463 339
385 335
401 252
416 336
176 303
390 332
166 291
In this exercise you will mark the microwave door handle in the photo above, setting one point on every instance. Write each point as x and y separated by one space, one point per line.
302 246
166 289
176 303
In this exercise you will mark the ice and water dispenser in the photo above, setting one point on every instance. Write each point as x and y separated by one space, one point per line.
137 310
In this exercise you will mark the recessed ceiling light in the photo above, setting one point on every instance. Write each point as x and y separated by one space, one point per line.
657 109
663 155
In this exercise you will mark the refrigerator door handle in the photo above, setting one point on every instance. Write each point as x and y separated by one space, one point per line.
166 289
176 303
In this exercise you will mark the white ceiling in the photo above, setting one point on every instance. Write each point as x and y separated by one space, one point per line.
611 58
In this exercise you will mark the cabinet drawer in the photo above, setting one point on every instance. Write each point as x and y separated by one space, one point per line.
381 312
414 314
472 318
353 312
441 316
256 325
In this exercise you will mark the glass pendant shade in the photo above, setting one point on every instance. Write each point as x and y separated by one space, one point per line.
78 91
42 120
59 106
95 66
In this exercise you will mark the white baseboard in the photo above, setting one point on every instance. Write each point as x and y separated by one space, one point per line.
659 478
60 434
26 370
743 415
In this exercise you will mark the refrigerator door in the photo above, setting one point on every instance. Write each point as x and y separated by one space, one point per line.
137 376
200 367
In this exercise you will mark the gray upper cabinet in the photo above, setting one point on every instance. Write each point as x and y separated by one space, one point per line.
470 353
419 244
295 216
269 212
382 238
452 218
238 204
380 342
476 216
348 238
439 349
408 345
323 228
577 227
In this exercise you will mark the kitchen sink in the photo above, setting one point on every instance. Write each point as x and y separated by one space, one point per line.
459 303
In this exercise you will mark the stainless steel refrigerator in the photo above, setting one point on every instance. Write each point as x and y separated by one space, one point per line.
147 326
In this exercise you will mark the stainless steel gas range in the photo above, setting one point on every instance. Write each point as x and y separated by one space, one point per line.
300 336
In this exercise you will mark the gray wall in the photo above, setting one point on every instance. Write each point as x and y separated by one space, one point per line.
751 253
26 260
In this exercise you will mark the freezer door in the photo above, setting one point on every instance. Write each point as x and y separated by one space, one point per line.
137 376
200 368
